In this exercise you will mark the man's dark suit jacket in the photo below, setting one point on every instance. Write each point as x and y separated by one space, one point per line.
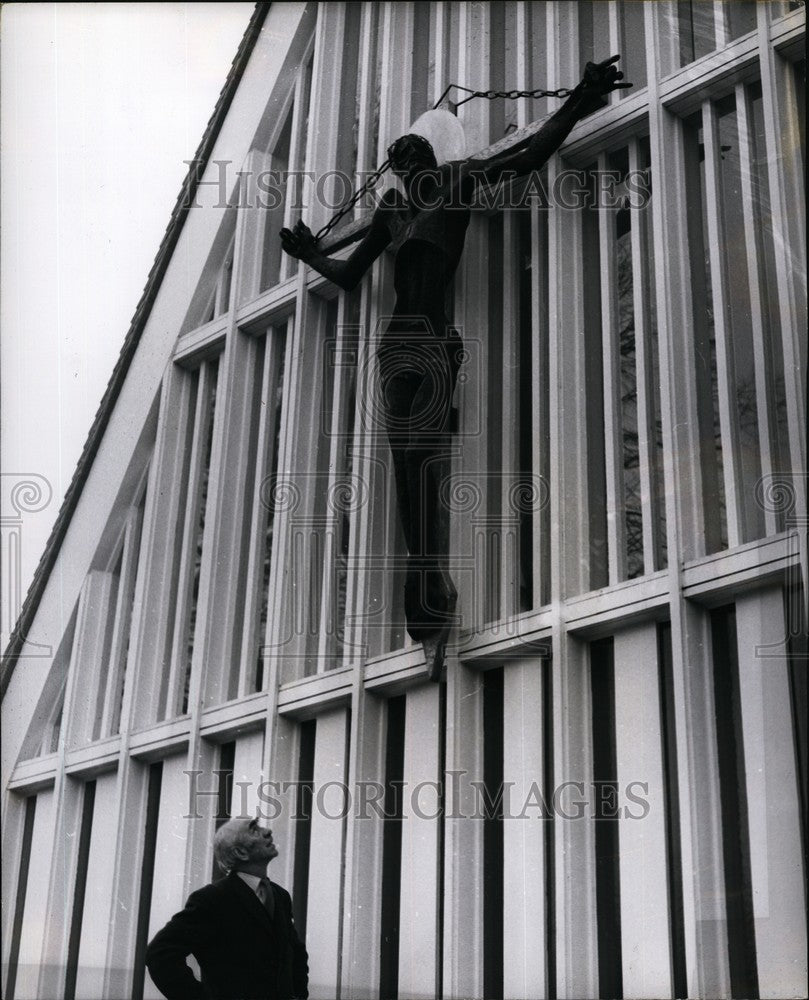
242 954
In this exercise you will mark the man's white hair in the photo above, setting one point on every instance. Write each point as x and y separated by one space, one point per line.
225 841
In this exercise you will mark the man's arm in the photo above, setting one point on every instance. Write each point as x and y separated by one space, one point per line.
300 967
346 274
599 80
188 931
300 958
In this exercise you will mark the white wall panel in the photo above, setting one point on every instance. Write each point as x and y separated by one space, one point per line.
98 894
326 857
639 756
418 900
247 769
36 897
169 866
524 964
773 806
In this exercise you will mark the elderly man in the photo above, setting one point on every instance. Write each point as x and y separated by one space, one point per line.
239 929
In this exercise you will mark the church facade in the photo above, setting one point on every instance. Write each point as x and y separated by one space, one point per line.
606 793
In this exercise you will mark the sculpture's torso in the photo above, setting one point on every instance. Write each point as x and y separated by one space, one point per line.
427 243
441 221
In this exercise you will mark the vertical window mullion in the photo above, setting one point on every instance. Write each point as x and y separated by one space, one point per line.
439 31
764 390
187 556
525 108
346 152
615 39
539 28
420 59
724 352
721 26
616 520
494 468
509 480
645 373
366 153
540 408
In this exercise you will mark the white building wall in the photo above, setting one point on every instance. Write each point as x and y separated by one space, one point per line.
657 499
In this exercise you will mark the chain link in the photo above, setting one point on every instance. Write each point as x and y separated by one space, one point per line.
371 183
489 95
513 95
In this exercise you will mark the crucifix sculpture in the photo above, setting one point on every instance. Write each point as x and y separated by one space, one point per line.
420 351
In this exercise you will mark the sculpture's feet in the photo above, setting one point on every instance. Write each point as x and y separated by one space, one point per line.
430 599
435 647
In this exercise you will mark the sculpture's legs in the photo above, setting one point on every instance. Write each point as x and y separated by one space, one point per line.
418 387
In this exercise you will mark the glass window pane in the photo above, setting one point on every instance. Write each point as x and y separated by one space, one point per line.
645 222
630 489
272 397
594 389
741 17
768 283
420 93
697 30
740 326
633 51
594 31
537 19
711 457
198 532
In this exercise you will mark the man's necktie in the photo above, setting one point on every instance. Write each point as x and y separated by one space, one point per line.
265 894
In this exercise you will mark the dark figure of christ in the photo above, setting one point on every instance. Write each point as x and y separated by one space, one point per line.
419 352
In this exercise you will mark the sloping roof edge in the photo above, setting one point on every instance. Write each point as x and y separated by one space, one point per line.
184 201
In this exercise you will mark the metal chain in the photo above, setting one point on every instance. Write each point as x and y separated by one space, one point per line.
489 95
512 95
371 183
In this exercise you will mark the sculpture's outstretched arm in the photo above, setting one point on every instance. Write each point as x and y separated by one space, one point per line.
599 80
346 274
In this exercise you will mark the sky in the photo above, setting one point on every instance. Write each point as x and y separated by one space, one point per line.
101 104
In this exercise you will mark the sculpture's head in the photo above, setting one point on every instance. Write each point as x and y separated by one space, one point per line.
411 154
